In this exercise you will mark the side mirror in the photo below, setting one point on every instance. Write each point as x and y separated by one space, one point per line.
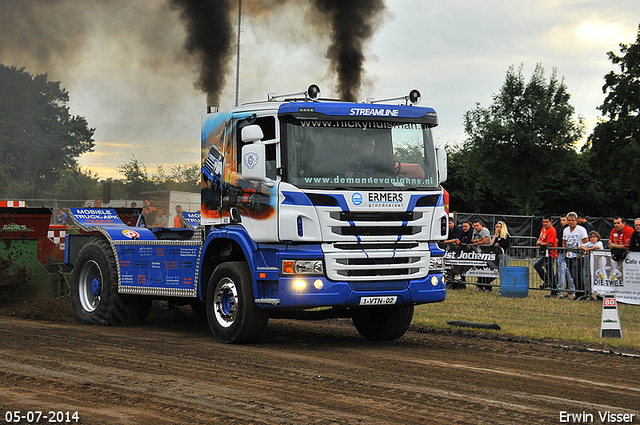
254 163
441 156
251 133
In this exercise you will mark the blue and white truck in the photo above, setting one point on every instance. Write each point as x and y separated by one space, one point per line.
311 209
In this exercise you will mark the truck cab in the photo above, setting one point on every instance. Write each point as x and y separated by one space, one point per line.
334 207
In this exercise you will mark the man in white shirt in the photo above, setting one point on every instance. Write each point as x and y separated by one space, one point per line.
481 236
573 236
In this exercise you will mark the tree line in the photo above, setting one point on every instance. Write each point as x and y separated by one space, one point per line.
41 142
520 155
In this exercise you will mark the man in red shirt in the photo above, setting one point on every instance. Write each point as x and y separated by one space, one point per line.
544 264
620 239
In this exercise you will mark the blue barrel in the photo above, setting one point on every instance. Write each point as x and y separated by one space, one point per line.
514 282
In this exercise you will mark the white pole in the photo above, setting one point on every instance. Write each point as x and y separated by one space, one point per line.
238 51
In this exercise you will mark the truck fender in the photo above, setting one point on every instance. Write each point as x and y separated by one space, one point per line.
221 245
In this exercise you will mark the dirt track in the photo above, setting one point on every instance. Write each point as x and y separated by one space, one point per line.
172 371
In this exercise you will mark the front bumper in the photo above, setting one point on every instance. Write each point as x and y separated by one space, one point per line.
290 293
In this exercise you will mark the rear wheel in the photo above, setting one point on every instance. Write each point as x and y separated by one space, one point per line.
383 323
94 289
231 310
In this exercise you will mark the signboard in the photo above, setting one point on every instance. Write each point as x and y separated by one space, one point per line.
621 278
472 260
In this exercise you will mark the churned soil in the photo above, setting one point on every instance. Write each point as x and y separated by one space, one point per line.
172 371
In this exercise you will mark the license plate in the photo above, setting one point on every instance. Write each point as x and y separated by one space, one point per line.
378 300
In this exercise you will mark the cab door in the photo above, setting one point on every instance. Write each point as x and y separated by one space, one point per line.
253 202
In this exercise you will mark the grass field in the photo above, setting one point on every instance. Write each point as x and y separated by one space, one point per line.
533 316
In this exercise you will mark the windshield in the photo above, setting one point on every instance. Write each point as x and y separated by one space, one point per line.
360 154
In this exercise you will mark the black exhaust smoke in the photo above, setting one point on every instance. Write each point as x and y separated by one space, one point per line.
209 40
351 23
51 32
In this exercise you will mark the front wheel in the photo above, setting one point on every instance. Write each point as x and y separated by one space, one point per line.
231 309
383 323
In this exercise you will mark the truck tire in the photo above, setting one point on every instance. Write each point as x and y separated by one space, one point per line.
383 323
94 289
232 313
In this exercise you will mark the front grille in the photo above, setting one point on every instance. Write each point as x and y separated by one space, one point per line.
364 264
377 261
376 216
375 230
376 224
372 267
371 273
371 246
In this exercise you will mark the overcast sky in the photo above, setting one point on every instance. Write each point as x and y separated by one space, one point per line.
127 72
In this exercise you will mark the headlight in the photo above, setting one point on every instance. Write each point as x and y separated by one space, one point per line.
436 264
302 267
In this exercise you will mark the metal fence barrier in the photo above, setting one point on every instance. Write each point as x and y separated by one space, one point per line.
563 272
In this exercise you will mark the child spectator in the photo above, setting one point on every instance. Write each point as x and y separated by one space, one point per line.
594 242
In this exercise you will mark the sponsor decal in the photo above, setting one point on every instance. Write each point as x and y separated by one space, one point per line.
13 227
374 112
131 234
385 197
363 124
472 260
193 218
397 181
482 256
101 216
250 160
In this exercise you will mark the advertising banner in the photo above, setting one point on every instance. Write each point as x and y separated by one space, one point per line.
107 220
621 278
158 266
96 217
192 218
472 260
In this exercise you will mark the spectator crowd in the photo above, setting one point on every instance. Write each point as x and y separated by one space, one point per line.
563 250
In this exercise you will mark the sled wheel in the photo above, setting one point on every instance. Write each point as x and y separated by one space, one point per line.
94 289
231 310
383 323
